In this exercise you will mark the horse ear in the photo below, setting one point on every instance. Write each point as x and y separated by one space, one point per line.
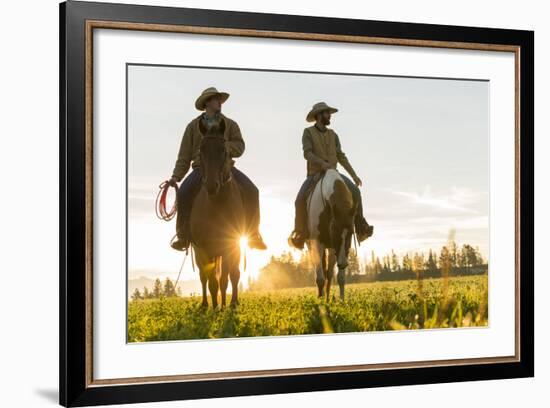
202 128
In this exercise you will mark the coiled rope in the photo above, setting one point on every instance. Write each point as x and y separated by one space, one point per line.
160 202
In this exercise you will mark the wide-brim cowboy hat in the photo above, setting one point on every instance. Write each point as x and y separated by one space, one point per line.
319 107
207 93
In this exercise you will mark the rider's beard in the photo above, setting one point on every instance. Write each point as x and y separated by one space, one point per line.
216 109
326 121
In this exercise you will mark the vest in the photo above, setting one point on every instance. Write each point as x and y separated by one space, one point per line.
324 146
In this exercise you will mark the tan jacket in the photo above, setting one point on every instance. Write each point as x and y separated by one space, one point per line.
323 146
189 150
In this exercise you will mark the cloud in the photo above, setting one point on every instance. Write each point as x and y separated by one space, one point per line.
422 219
458 199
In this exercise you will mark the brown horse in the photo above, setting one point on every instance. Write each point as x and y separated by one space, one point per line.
217 219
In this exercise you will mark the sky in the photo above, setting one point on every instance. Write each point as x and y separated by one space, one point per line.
420 146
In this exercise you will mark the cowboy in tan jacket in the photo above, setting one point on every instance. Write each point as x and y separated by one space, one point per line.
210 102
322 150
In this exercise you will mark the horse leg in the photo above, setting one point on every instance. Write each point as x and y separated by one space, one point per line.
317 260
202 264
326 283
207 268
342 261
330 270
224 279
341 277
234 275
204 280
213 287
321 277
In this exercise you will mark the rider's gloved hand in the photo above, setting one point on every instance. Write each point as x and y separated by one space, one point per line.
173 181
357 181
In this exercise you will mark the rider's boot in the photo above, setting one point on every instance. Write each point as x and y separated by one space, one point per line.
297 239
363 229
183 239
256 241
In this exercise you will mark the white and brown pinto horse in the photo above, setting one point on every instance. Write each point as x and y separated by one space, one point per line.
331 212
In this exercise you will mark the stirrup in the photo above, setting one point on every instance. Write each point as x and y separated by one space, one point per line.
180 244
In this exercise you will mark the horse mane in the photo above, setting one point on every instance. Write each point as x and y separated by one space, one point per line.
216 133
214 137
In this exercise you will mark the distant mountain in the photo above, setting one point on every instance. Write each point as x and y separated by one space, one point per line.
186 287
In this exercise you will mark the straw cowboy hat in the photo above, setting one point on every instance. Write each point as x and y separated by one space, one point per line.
319 107
207 93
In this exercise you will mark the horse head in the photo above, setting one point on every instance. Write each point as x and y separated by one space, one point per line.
214 157
343 209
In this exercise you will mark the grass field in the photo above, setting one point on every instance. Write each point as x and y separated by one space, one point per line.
434 303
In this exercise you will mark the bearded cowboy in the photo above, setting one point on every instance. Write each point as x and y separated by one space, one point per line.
210 102
322 150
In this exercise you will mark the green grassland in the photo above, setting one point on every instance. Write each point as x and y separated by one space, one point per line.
412 304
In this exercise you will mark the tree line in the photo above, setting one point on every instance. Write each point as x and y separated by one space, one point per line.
451 258
285 271
159 290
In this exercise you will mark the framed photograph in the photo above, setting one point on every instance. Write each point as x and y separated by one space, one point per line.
259 203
